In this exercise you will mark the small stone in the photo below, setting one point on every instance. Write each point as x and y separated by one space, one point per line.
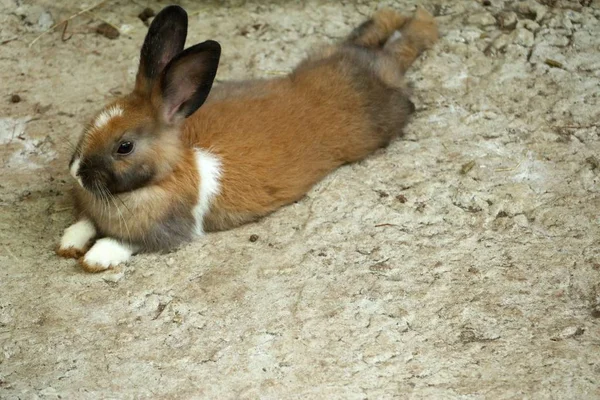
566 23
502 214
146 14
522 37
507 20
593 162
108 31
126 28
401 198
15 98
553 63
501 42
529 25
40 109
45 21
467 336
35 16
467 167
521 220
482 19
573 16
253 238
531 9
569 332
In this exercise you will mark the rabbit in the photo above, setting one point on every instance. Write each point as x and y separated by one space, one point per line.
174 159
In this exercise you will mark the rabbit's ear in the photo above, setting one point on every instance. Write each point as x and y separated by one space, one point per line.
164 40
186 81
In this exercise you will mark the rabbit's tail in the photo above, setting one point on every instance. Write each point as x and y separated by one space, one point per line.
401 37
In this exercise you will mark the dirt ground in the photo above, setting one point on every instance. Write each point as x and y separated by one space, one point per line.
461 262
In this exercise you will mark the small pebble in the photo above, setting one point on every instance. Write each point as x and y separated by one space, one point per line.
253 238
522 37
401 198
108 31
15 98
467 167
482 19
553 63
593 161
571 331
45 20
146 15
507 19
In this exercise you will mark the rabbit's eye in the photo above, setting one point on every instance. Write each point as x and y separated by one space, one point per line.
125 147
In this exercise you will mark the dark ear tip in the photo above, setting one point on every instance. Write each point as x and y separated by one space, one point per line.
172 11
213 45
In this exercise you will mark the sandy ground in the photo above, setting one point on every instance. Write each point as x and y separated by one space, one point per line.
461 262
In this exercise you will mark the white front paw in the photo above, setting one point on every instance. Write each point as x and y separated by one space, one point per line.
106 253
76 238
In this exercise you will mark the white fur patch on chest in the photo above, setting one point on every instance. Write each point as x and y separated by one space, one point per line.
210 170
107 115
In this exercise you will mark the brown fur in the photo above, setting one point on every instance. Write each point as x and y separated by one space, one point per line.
419 34
274 147
375 32
133 215
71 252
274 138
91 268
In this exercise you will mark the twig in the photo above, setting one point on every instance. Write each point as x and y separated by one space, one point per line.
275 72
380 225
9 40
508 168
62 37
160 309
66 20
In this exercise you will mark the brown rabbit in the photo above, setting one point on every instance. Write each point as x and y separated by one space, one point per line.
155 169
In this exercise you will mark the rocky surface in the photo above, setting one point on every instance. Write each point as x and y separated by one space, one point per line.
461 262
